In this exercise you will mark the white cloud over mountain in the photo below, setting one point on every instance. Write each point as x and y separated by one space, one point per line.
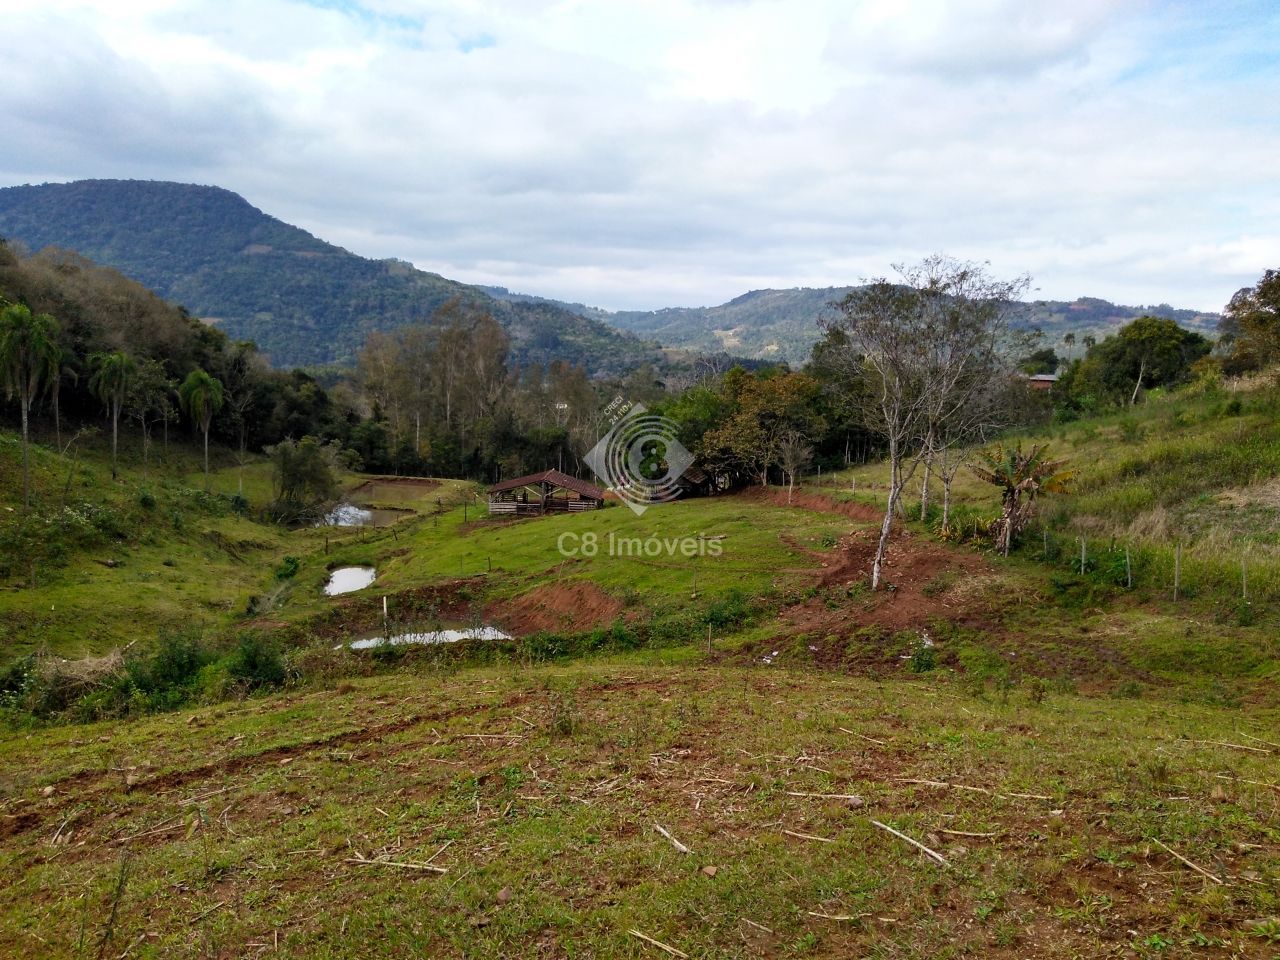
642 154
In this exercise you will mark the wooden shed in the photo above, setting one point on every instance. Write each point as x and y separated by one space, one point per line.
548 492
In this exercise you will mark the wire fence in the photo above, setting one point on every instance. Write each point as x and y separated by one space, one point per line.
1179 571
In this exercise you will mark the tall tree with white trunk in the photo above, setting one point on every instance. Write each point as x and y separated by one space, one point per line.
926 346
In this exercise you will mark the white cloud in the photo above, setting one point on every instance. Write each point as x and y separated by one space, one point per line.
640 153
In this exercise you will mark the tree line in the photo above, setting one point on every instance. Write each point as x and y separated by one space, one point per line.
923 368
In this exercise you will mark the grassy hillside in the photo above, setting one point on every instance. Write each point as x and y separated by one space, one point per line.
1097 764
1190 474
103 563
303 301
498 813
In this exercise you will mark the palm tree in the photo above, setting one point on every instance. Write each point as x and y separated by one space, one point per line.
29 358
1022 476
112 376
201 397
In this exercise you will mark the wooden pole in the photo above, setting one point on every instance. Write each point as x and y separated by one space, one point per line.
1082 556
1177 570
1244 580
1128 569
708 639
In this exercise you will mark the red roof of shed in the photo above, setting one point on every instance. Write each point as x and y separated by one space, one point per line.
556 479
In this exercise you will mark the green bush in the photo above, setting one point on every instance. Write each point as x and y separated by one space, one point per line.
288 567
731 611
256 663
172 662
923 658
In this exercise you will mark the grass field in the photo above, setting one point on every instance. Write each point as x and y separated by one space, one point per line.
1098 765
299 824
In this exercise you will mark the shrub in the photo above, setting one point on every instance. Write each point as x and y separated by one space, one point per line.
564 716
730 611
288 567
256 663
213 683
923 657
173 661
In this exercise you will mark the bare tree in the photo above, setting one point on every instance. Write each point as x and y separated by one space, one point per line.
794 454
993 404
924 344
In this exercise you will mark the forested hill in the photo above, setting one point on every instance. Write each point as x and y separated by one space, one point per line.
304 301
783 324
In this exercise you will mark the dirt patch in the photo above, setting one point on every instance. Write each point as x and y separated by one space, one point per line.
355 614
922 582
410 483
13 824
1266 494
567 606
822 503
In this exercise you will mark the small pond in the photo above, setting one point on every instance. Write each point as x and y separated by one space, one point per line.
353 515
349 579
442 635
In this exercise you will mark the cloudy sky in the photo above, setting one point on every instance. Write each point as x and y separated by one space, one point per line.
647 153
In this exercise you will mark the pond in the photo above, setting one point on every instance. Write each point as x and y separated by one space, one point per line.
442 635
353 515
349 579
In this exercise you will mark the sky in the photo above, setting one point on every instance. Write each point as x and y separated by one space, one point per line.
635 154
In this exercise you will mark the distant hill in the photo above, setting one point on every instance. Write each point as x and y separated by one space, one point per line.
783 324
304 301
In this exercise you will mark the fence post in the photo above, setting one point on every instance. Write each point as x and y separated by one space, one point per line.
1046 544
1082 556
1244 581
1177 570
1128 569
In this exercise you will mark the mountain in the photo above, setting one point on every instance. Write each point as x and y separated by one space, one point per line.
304 301
783 324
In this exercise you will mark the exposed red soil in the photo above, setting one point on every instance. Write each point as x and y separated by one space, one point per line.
913 591
573 605
845 626
822 503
